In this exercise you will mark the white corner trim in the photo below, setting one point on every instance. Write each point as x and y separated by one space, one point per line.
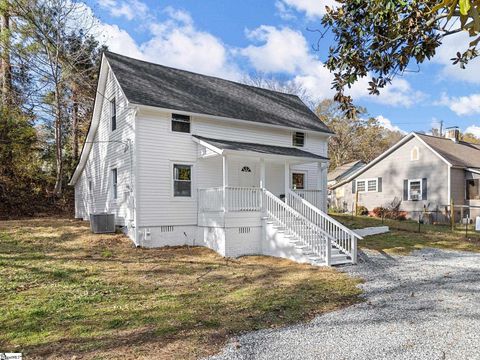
207 145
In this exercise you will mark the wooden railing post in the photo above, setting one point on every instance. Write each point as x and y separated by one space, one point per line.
353 242
328 252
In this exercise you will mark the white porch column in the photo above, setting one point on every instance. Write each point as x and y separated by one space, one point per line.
225 181
287 178
262 173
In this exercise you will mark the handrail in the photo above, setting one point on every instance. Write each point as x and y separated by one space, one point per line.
321 213
308 233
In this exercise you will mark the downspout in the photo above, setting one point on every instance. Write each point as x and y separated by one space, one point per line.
449 184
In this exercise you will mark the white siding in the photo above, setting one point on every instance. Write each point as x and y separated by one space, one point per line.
109 150
158 148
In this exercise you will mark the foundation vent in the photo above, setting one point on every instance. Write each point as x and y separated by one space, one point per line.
166 228
244 230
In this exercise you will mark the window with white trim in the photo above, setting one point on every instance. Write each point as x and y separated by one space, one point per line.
367 185
298 139
414 154
113 114
415 189
180 123
114 183
298 181
182 180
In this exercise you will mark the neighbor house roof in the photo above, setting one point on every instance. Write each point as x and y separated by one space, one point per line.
345 169
459 154
160 86
259 148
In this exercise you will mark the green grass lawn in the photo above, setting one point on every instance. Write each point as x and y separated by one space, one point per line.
68 293
404 236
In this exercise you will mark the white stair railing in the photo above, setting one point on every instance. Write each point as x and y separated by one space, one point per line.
299 226
342 237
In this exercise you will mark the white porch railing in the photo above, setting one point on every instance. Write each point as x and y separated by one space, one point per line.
343 238
232 199
314 197
307 232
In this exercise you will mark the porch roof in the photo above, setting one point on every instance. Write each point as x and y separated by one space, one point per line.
259 148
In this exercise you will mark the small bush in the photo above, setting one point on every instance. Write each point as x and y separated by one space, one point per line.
390 211
362 210
379 211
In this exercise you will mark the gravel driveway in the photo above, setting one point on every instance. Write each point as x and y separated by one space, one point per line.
422 306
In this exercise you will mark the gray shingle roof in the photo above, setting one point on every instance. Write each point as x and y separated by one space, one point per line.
461 154
259 148
150 84
344 170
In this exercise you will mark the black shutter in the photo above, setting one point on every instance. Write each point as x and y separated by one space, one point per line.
379 184
405 189
354 182
424 189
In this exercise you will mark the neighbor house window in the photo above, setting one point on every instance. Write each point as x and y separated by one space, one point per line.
298 181
473 189
298 139
415 189
182 180
114 183
180 123
113 114
414 154
367 185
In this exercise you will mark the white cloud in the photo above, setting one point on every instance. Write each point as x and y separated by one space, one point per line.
461 105
445 52
130 10
286 51
473 129
173 42
312 8
387 124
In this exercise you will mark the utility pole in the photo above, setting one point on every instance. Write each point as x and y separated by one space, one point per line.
441 128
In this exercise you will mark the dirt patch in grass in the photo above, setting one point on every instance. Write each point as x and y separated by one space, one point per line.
66 292
404 236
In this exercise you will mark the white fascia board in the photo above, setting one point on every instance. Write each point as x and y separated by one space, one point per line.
240 121
208 145
99 98
253 154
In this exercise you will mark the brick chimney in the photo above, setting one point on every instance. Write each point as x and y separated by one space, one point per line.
453 133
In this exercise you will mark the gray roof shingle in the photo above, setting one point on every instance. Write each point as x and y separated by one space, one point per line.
150 84
460 154
259 148
343 170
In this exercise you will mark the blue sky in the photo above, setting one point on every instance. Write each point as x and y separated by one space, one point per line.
233 39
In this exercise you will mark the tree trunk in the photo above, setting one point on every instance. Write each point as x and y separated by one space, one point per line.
58 140
75 123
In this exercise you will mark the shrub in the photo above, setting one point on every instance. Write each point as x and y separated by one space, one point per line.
362 210
379 211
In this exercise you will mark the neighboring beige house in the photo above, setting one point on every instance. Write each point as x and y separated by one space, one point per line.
423 171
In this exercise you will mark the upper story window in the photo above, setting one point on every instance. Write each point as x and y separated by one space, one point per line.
246 169
180 123
414 154
115 183
182 180
298 139
113 114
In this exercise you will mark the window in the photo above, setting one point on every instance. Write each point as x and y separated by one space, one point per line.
113 114
415 189
246 169
414 154
180 123
182 180
298 181
367 185
114 183
473 189
298 139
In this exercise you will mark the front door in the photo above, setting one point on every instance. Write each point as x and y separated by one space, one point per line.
247 175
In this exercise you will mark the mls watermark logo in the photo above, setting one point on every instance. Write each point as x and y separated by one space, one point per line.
10 356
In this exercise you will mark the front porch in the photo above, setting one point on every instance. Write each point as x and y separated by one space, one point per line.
270 201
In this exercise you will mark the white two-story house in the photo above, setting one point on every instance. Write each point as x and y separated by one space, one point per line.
184 158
